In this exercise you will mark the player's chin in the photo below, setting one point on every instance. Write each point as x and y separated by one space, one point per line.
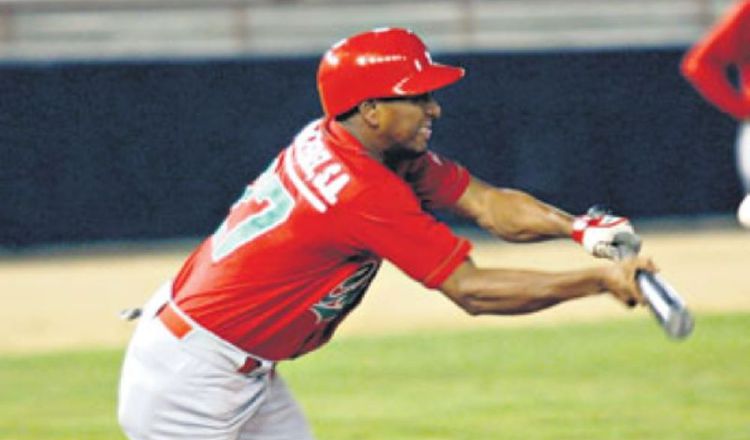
418 149
419 145
406 153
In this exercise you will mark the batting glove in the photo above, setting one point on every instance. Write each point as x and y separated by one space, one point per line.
597 233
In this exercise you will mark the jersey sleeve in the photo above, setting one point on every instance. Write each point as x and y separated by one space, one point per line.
389 222
705 64
437 182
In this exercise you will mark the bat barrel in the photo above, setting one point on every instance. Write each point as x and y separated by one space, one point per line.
666 305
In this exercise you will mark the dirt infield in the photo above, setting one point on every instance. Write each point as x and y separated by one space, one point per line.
71 299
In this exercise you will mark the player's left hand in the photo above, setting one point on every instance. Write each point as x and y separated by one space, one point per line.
620 279
597 233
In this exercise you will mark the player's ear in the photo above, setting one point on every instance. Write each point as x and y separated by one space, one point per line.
369 111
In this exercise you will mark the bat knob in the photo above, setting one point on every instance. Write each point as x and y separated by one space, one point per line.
598 210
627 244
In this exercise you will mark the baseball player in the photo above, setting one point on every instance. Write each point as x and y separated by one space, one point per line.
302 243
706 67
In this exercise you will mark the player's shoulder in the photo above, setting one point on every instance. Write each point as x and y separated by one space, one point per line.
373 183
329 173
368 176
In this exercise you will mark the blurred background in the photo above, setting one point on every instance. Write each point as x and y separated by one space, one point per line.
127 127
105 29
143 119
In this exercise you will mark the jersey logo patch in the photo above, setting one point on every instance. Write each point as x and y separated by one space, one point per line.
346 293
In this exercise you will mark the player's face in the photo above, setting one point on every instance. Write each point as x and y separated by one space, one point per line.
406 123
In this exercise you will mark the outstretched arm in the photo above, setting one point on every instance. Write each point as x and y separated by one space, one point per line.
517 216
511 214
513 291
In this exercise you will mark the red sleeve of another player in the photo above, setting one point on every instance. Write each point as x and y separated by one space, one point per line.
390 223
705 65
438 182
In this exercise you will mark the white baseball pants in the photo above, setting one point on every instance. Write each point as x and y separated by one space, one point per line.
174 388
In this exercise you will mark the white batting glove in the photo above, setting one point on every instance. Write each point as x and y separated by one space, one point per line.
597 233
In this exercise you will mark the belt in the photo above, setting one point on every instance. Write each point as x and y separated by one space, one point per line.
180 327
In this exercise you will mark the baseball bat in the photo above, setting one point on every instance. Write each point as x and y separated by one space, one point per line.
665 303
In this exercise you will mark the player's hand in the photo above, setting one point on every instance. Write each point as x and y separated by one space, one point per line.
620 279
597 233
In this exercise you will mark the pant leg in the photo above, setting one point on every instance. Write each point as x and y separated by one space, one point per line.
167 392
743 155
278 418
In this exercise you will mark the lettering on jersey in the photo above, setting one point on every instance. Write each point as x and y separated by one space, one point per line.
346 293
319 169
330 181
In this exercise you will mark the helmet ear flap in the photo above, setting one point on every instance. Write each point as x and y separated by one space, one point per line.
380 63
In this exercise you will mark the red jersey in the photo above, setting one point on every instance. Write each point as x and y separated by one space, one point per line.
705 65
302 244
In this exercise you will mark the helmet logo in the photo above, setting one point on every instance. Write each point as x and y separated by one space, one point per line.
398 88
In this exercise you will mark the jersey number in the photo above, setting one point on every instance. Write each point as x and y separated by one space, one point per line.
264 205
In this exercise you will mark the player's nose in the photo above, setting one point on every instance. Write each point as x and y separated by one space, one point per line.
433 109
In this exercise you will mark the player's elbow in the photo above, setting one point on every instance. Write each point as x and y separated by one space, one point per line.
468 303
689 67
472 307
459 289
698 64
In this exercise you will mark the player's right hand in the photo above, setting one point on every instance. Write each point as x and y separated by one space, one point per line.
620 279
597 233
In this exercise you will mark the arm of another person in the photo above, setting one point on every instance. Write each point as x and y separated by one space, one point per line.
705 64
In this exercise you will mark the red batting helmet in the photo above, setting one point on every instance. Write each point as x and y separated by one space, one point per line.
378 64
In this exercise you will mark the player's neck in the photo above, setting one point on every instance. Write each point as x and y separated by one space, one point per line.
366 136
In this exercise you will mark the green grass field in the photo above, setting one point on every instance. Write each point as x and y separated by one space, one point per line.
622 380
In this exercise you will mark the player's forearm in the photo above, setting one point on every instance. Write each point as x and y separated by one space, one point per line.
513 215
518 216
509 292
